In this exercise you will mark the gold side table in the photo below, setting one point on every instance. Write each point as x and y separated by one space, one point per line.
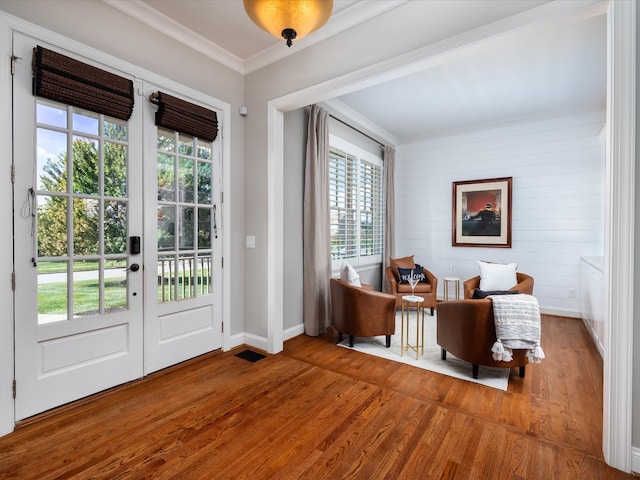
407 301
456 283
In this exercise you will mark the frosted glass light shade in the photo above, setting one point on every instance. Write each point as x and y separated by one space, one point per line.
280 16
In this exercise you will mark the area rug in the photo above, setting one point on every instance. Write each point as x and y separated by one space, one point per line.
431 360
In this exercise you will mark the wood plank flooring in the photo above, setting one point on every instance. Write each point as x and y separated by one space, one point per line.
318 411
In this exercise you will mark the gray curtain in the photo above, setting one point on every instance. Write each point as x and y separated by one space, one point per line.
316 234
389 160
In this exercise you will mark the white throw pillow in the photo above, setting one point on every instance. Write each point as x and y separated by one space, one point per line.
497 276
349 275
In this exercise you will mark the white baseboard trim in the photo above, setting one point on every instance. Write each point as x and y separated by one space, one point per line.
250 340
635 460
293 332
560 312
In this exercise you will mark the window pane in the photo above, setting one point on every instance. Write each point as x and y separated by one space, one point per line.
185 180
115 129
204 150
115 170
203 275
85 121
85 166
204 228
166 177
185 144
204 183
115 285
186 228
86 234
166 227
52 160
186 276
86 288
52 292
52 226
166 140
51 114
166 278
115 227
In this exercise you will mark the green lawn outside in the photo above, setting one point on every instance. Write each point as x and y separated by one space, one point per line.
52 297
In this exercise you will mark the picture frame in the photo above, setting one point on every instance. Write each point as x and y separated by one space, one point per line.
481 214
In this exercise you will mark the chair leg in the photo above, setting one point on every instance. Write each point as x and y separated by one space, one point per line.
388 341
432 311
340 336
443 354
474 368
351 340
522 371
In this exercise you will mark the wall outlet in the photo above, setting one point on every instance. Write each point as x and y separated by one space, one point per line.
250 241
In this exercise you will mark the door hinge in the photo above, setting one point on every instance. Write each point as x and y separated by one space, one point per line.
222 261
13 173
13 64
13 388
222 327
13 281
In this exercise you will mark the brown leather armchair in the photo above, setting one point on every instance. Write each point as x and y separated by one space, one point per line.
362 311
525 285
466 329
425 290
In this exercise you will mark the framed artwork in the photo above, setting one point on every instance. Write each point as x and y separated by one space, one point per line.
482 213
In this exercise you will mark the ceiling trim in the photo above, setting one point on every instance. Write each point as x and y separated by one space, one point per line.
343 20
160 22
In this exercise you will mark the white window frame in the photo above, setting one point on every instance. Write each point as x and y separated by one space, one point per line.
360 155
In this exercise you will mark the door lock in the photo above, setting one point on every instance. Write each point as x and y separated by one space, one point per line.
134 267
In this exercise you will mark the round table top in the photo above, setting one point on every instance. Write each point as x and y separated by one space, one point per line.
412 298
451 279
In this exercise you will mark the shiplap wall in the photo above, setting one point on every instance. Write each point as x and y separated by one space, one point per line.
558 167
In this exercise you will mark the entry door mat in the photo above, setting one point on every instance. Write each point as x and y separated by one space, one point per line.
250 355
431 360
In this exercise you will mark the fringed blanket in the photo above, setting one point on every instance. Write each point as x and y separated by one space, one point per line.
517 319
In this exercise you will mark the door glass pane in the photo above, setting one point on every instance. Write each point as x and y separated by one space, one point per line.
185 180
204 150
166 227
52 226
203 274
115 227
204 182
85 121
185 276
52 291
185 145
86 234
115 170
166 278
115 129
166 140
86 288
186 228
115 285
166 177
52 161
85 166
204 228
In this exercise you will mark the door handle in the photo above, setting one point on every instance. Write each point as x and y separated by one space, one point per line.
134 267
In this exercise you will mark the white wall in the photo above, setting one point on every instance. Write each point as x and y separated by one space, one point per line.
557 167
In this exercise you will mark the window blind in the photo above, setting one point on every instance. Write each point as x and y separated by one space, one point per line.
185 117
66 80
343 194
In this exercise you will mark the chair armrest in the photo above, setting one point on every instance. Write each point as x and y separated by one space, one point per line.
391 278
470 285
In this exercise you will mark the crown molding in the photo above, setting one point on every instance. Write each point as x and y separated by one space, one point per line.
348 114
351 16
355 14
160 22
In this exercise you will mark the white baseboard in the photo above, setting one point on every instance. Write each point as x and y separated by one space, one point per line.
293 331
635 460
250 340
560 312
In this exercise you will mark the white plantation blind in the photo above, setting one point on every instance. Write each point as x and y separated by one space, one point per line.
356 204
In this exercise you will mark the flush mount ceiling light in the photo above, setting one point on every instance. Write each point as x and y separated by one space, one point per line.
289 19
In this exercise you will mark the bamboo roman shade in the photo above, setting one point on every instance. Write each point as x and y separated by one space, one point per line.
185 117
64 79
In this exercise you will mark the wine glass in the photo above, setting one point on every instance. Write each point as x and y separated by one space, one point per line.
413 281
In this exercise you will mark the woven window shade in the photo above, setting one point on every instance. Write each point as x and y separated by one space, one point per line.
63 79
185 117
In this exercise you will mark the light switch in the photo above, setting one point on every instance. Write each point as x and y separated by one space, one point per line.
250 241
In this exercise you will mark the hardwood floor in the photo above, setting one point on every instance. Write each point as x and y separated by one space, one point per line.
321 411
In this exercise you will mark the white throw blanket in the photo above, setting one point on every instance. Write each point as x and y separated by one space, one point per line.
517 319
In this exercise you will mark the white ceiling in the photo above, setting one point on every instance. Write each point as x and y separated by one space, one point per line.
553 69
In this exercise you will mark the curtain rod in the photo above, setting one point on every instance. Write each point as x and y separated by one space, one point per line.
359 131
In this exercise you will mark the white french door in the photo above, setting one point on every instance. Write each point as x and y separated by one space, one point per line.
78 294
91 310
183 274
